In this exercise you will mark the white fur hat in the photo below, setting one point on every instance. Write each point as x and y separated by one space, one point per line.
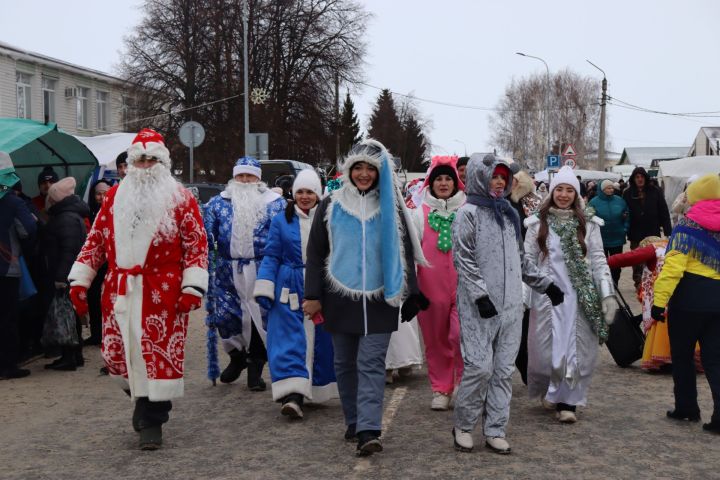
307 179
565 175
151 144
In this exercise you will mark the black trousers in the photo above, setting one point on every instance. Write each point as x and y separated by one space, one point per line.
685 328
637 269
9 337
257 350
615 272
521 361
151 414
94 308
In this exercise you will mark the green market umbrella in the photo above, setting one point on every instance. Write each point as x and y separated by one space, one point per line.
34 145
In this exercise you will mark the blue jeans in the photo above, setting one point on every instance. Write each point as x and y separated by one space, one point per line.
360 371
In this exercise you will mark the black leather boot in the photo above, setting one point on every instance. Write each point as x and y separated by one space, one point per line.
254 377
238 363
68 362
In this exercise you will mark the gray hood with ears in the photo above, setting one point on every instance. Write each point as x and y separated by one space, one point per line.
479 173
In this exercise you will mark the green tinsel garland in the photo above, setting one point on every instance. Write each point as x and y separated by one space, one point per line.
587 295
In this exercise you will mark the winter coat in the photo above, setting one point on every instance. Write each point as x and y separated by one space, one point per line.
649 214
343 312
64 236
614 212
16 223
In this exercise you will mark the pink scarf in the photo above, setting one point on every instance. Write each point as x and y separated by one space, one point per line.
706 213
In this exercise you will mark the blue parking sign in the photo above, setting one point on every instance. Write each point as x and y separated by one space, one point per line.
553 161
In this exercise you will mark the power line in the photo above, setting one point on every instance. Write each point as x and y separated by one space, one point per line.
174 112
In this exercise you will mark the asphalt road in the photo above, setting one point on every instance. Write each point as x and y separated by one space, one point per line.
66 425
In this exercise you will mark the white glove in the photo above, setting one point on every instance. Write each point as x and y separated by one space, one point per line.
609 307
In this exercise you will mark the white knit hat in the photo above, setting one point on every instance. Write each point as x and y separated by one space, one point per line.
565 175
309 180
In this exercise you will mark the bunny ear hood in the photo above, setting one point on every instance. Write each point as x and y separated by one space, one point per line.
480 170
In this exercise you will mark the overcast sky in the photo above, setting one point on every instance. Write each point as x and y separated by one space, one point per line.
659 54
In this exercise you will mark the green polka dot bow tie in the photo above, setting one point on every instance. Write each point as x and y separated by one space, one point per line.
442 225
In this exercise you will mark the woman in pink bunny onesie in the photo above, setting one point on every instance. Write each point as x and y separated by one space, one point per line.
442 195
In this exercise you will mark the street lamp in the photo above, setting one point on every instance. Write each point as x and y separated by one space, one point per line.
463 144
547 90
603 102
246 93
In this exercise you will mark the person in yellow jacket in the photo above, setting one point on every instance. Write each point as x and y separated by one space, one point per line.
689 286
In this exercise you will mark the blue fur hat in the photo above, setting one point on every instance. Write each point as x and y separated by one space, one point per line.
247 165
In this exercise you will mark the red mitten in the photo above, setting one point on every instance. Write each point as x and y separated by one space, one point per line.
188 302
78 297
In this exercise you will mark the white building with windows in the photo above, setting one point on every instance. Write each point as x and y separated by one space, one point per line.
80 100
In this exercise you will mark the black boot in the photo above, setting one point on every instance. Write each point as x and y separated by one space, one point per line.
254 377
292 406
79 359
151 438
238 363
68 362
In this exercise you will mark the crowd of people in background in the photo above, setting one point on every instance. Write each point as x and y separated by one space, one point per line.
498 271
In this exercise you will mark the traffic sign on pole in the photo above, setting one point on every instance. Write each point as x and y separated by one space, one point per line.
553 161
570 162
569 151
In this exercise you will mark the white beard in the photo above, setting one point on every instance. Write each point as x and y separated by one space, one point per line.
147 199
249 208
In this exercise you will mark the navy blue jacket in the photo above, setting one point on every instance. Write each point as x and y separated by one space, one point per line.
16 223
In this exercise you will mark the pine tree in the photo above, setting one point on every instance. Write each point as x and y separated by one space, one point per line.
415 145
349 126
384 124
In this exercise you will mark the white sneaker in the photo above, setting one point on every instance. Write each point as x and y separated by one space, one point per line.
546 404
440 401
462 439
566 416
497 445
292 410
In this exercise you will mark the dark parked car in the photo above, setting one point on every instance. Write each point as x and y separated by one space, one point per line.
272 170
205 191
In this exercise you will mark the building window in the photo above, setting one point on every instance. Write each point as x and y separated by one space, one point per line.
126 105
48 89
22 80
101 101
82 107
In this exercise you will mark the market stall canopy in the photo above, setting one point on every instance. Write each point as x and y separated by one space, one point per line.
34 145
106 148
674 173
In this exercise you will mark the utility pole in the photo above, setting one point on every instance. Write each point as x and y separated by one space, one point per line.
246 93
603 101
337 116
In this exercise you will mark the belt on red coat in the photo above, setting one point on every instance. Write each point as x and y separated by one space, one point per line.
124 273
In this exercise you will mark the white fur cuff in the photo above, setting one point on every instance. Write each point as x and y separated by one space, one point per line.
81 275
195 277
264 288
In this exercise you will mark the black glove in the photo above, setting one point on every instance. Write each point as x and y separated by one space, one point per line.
555 295
486 307
657 313
412 305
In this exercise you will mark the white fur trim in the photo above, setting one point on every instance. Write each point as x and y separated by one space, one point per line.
150 149
192 291
81 275
324 393
161 390
195 277
238 169
264 288
286 386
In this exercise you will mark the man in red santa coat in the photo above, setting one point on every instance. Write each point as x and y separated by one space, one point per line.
150 232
